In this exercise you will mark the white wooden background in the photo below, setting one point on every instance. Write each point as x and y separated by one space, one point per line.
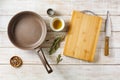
104 68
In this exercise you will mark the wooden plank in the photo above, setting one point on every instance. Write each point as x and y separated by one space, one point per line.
61 72
7 7
114 41
5 42
31 58
62 7
4 20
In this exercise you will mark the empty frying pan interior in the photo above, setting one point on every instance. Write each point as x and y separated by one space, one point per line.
27 30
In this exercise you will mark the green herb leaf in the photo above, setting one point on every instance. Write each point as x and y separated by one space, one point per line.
59 59
55 45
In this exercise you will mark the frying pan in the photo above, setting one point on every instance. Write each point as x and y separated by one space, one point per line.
27 30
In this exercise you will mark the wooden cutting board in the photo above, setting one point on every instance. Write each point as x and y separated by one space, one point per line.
82 36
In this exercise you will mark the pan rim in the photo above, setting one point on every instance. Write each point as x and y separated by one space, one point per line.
37 43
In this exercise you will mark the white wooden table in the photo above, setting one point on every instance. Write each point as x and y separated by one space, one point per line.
104 68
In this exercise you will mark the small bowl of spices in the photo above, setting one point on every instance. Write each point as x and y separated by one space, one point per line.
57 24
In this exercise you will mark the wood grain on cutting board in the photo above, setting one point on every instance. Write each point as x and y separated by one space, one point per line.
82 36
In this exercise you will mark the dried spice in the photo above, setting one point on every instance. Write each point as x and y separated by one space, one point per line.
16 61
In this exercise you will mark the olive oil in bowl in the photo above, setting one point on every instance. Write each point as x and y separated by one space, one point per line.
57 24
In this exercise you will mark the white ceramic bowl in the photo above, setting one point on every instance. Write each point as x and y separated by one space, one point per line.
54 19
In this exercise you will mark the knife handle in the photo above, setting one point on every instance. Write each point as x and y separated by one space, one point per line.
106 53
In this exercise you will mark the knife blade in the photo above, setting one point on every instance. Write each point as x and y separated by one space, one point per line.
108 31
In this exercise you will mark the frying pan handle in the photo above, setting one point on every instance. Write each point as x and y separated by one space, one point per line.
44 61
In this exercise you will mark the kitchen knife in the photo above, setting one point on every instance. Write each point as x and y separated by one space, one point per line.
108 31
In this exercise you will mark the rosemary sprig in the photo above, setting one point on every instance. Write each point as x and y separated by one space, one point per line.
55 45
59 59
